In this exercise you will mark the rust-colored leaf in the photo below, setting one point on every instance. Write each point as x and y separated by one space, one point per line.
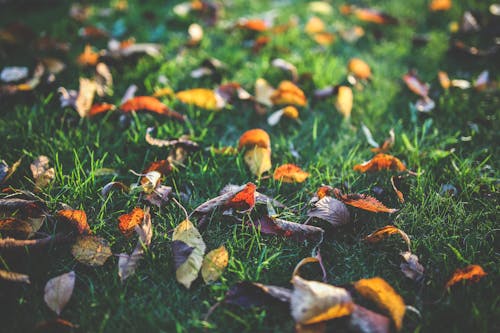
127 222
314 25
257 25
88 57
14 277
381 162
387 145
150 104
359 68
384 232
381 293
444 80
288 93
324 38
162 166
254 137
415 84
363 201
290 173
244 200
344 101
440 5
368 14
203 98
100 108
471 273
300 232
76 218
394 182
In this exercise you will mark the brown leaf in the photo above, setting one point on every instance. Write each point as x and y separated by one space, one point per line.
58 291
91 250
471 273
76 218
363 201
182 141
150 104
381 162
388 143
314 302
330 210
384 232
290 173
14 277
114 185
365 321
127 222
222 199
160 196
57 325
6 172
308 260
214 264
368 14
247 294
14 227
381 293
415 85
161 166
42 173
411 268
280 227
344 101
288 93
394 187
286 66
100 108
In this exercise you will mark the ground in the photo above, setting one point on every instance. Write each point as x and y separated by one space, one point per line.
453 144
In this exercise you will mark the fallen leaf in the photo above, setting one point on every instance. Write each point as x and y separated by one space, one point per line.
359 68
394 180
288 93
384 232
22 208
114 185
127 222
308 260
381 162
150 104
227 193
254 137
247 294
324 38
314 25
14 227
88 57
290 173
76 218
160 196
91 250
55 325
444 80
471 273
14 277
182 141
320 7
344 101
482 81
258 160
203 98
6 172
384 296
297 231
195 32
85 97
162 166
214 264
330 210
387 145
13 73
256 25
363 201
440 5
411 268
244 200
263 92
415 84
103 80
314 302
42 173
58 291
368 14
188 263
286 66
100 108
363 320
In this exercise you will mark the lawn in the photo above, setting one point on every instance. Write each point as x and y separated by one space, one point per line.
452 146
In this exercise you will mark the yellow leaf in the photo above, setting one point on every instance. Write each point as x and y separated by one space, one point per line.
314 25
380 292
263 92
214 264
201 97
258 160
91 250
344 101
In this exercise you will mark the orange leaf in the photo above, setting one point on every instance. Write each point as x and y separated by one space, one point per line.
201 97
381 162
150 104
100 108
314 25
323 191
368 15
380 292
288 93
415 84
324 38
244 200
161 166
130 220
363 201
290 173
254 137
359 68
344 101
291 112
444 80
471 273
401 198
440 5
88 57
77 219
253 24
385 232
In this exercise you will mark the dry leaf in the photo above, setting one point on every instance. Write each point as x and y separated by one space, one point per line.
150 104
324 38
365 321
244 200
363 201
344 101
263 92
471 273
351 35
381 293
214 264
288 93
13 73
394 187
300 232
114 185
91 250
22 208
257 25
290 173
368 15
42 173
14 277
58 291
188 248
411 268
359 68
76 218
195 32
330 210
15 227
314 302
320 7
6 172
258 160
314 25
127 222
286 66
381 162
100 108
384 232
444 80
103 80
85 98
88 57
308 260
160 196
415 85
254 137
440 5
203 98
388 143
55 325
247 294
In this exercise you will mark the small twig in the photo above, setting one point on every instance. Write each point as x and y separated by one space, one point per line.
181 207
9 243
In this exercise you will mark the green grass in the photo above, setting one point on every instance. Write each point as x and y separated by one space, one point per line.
446 232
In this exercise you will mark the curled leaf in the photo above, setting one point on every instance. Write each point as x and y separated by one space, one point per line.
263 92
76 218
214 264
384 232
394 181
254 137
247 294
363 320
286 66
280 227
150 104
14 277
363 201
42 173
290 173
127 222
472 273
244 200
381 162
258 160
91 250
411 268
58 291
288 93
330 210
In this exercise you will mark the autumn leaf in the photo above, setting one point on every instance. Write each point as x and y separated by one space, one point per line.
182 141
387 145
14 277
42 173
381 162
384 232
344 101
114 185
91 250
288 93
214 264
414 83
368 14
440 5
363 201
203 98
22 208
444 80
300 232
100 108
330 210
88 57
314 302
127 222
400 195
359 68
256 25
384 296
6 172
77 219
58 291
195 32
290 173
287 112
324 38
365 321
254 137
85 98
258 160
188 248
314 25
263 92
244 200
150 104
247 294
162 166
316 259
160 196
15 227
286 66
471 273
410 266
